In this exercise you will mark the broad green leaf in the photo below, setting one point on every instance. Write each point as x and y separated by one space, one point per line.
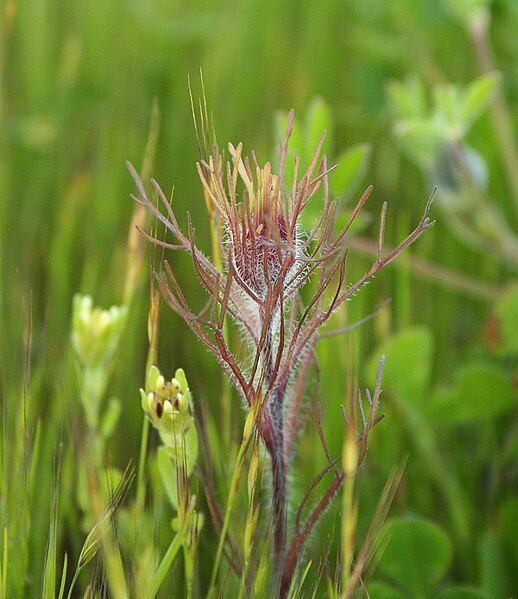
418 554
379 590
408 356
352 164
463 592
481 393
478 95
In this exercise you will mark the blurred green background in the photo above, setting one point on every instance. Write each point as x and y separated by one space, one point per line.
77 88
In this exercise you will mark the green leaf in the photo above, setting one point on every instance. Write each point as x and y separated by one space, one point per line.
379 590
418 554
408 99
447 103
167 471
463 592
352 164
49 573
482 392
478 96
182 445
408 356
64 570
421 139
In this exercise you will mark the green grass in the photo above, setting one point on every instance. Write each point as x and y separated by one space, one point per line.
78 83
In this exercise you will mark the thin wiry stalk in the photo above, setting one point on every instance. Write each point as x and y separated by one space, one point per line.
302 532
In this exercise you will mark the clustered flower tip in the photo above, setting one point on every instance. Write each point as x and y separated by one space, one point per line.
96 332
167 404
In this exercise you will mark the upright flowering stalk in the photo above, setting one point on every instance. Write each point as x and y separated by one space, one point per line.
95 338
266 260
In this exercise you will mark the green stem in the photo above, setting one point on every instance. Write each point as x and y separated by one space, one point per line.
63 578
230 502
189 563
141 490
171 552
73 584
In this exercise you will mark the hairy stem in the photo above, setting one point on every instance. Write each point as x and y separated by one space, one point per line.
279 512
274 442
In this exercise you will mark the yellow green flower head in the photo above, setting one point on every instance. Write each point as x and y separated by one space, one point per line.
96 332
167 404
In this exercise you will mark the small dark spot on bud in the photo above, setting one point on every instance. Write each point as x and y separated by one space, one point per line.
159 409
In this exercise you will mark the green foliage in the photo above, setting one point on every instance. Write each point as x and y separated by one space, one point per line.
423 128
434 135
379 590
351 166
482 392
417 555
408 363
463 592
